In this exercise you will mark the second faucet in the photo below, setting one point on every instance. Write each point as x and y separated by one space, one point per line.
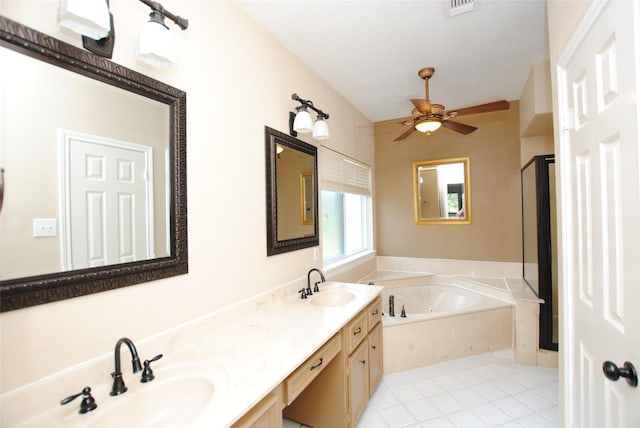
316 289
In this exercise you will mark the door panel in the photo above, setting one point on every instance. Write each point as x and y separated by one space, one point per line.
600 208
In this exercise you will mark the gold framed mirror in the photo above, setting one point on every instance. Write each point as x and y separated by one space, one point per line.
441 191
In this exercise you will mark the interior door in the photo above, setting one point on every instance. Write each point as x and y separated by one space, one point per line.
108 202
599 184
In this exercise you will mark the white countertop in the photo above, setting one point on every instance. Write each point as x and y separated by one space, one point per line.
249 358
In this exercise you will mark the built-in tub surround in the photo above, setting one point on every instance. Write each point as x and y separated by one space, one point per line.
447 317
248 350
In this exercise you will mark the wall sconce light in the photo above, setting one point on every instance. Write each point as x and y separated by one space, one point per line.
302 122
92 19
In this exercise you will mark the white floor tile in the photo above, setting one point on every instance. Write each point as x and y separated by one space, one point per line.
486 390
428 387
445 403
423 410
397 416
533 401
466 419
536 421
441 422
468 397
513 407
406 393
491 415
508 385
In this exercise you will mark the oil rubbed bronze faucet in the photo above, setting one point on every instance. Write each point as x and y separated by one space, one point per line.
118 384
315 285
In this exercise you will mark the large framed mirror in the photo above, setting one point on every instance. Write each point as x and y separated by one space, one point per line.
94 159
441 191
292 193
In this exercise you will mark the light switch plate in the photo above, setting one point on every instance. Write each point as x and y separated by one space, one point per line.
45 227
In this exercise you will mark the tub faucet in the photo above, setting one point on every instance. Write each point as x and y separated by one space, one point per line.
392 312
315 286
118 384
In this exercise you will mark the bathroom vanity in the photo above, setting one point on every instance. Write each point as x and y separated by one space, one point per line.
316 360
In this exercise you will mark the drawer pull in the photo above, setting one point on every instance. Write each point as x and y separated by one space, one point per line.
374 312
358 331
315 366
373 347
363 361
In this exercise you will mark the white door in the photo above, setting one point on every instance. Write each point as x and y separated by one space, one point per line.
108 217
599 184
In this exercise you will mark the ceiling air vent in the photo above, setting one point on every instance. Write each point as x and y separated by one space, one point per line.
456 7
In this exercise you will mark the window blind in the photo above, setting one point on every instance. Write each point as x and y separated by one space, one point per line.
339 173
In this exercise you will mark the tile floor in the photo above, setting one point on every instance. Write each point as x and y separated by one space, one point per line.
488 390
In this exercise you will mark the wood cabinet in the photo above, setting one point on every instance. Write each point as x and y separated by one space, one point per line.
332 387
266 414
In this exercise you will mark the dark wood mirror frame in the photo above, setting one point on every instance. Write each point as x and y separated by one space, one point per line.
275 246
35 290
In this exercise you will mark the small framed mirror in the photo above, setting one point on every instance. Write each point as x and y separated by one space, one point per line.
441 191
292 193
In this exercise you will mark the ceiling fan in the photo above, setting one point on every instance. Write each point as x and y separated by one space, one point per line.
428 117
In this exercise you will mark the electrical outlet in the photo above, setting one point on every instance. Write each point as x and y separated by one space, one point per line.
45 227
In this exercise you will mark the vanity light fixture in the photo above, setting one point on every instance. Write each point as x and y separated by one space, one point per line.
302 122
92 19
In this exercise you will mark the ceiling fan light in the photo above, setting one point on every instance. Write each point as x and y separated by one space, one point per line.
86 17
303 123
320 129
428 125
155 46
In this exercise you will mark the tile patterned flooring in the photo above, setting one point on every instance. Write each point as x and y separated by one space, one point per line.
487 390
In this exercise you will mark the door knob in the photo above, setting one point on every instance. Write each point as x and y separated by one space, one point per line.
612 372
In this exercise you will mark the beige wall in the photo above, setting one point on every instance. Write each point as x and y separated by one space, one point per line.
238 79
494 154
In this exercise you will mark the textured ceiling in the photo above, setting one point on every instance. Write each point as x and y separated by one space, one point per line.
371 51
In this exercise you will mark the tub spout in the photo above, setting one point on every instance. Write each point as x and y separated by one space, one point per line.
391 308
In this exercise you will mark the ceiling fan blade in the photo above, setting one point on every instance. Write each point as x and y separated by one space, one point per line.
405 134
482 108
423 106
459 127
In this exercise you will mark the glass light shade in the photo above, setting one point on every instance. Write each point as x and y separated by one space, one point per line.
86 17
320 130
303 123
155 45
428 125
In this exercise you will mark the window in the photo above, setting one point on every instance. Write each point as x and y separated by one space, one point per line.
346 206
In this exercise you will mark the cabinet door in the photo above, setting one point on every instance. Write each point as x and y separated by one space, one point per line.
375 357
266 414
358 378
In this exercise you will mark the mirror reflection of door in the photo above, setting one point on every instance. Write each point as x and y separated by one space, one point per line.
290 165
108 193
306 197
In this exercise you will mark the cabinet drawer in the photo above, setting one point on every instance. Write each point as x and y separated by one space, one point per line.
312 367
374 312
356 331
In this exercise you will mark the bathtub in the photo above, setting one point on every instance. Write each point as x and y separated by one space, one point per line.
446 318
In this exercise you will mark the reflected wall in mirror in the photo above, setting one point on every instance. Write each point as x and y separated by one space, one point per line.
95 168
292 196
441 191
306 198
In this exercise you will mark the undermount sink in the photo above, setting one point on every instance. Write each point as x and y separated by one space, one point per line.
175 398
333 297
